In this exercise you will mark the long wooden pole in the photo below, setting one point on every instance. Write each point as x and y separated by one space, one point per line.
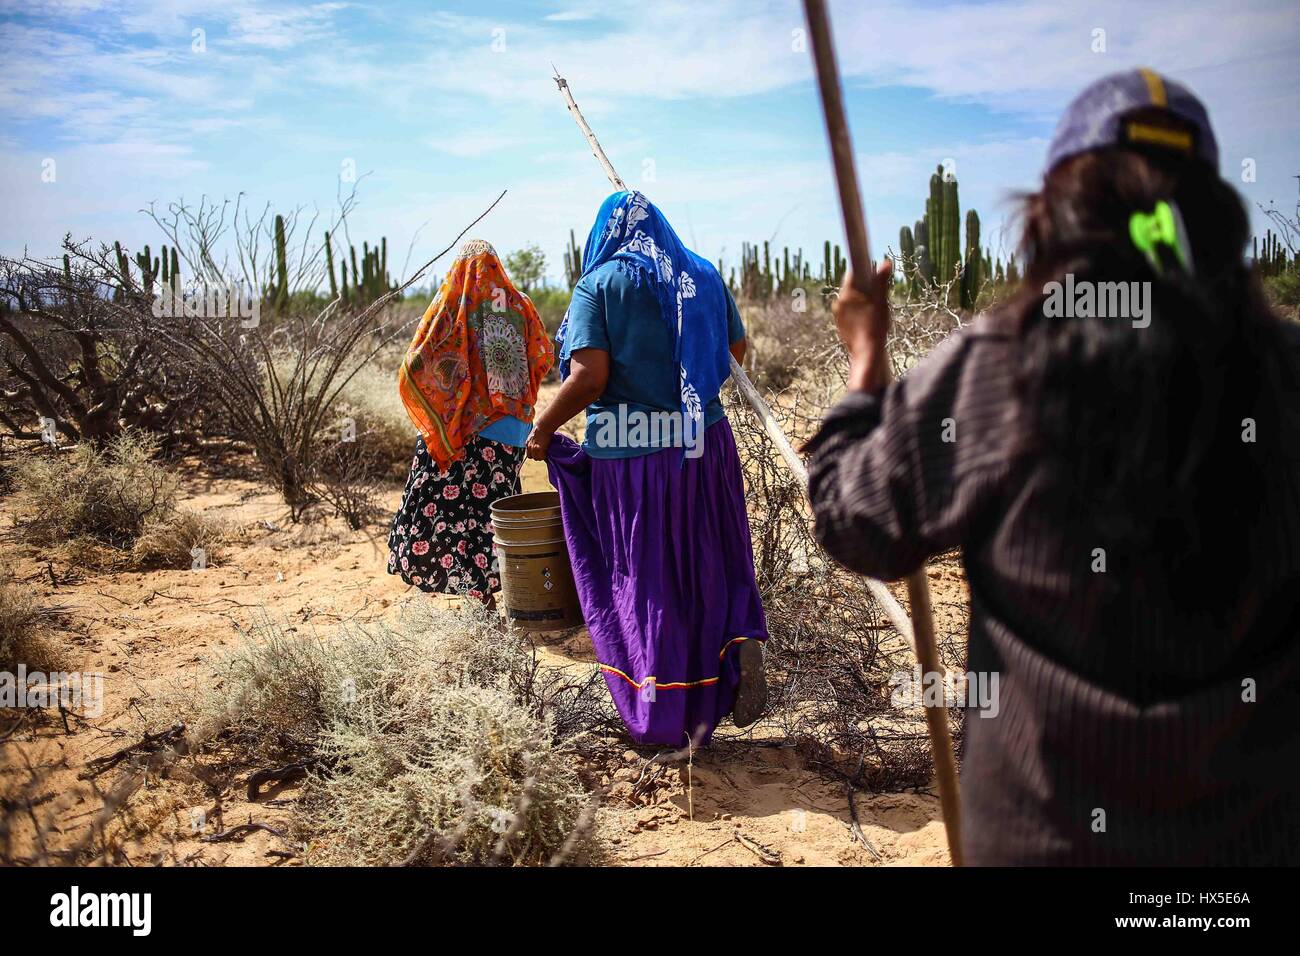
855 231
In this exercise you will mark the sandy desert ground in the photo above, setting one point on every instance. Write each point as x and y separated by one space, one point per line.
745 801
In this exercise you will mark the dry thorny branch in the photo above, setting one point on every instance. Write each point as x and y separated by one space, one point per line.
83 347
831 656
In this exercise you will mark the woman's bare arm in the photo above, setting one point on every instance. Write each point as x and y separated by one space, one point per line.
588 376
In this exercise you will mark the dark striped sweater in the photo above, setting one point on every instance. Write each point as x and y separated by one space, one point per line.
1127 729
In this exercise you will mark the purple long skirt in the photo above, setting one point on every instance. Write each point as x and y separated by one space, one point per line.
664 567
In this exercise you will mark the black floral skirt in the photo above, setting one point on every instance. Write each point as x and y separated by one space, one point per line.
441 539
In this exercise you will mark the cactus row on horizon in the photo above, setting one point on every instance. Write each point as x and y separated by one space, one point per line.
764 275
1275 258
279 292
369 279
165 267
973 263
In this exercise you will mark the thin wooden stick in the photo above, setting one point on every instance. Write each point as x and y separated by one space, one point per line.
855 231
769 422
586 131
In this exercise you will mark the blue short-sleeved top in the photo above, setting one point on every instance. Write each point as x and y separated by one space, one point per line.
610 312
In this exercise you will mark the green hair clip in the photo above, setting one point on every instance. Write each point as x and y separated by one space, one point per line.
1163 226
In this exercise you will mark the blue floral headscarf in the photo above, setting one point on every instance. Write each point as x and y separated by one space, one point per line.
692 299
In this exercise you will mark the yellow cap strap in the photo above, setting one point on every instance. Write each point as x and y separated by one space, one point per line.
1155 86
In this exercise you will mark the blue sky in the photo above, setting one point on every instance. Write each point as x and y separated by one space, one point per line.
707 107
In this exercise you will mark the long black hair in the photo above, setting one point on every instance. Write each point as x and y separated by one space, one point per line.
1146 428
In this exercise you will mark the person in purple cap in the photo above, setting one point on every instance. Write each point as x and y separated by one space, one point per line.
1116 450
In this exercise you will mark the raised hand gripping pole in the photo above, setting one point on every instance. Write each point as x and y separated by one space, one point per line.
855 231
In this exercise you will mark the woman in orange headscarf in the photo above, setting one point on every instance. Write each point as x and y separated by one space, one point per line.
469 382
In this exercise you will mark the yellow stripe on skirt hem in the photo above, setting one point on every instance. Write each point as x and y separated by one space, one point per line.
676 685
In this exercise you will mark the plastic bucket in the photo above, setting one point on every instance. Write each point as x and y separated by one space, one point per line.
536 578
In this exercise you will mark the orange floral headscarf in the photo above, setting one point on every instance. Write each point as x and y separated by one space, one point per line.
479 354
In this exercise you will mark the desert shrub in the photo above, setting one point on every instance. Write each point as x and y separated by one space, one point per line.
24 629
783 341
917 327
1284 288
790 347
384 432
117 495
172 541
345 481
431 739
439 772
551 303
108 494
831 653
79 345
361 439
369 443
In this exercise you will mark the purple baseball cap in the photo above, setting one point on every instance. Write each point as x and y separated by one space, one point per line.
1137 107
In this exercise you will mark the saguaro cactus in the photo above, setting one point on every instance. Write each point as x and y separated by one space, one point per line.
951 230
833 264
756 281
973 268
906 244
924 266
329 266
907 251
942 229
171 270
934 225
573 261
280 295
148 269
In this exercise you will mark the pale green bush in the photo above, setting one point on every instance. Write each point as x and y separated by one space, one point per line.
24 629
115 504
385 435
431 739
171 541
107 494
382 433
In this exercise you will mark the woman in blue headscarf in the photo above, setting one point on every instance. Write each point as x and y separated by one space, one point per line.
653 501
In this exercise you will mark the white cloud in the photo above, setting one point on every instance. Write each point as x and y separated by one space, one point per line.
120 73
564 16
1010 55
283 29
